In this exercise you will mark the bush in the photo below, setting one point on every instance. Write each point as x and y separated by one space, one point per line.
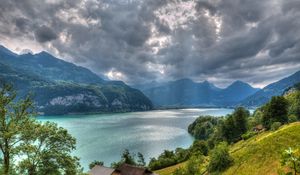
220 158
292 118
199 147
248 135
169 158
275 126
192 167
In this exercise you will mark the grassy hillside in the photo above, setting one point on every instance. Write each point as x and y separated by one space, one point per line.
260 154
169 170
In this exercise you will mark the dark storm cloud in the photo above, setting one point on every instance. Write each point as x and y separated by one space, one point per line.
139 40
44 34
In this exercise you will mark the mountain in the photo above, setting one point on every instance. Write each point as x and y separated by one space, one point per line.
59 87
49 67
274 89
185 92
180 93
236 92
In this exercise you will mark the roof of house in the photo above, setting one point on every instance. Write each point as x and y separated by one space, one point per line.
101 170
126 169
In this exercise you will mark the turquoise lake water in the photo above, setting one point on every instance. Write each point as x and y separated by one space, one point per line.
104 136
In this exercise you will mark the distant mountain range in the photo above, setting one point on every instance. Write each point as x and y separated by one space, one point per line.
274 89
185 92
60 87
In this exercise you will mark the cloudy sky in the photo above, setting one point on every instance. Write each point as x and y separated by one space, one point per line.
160 40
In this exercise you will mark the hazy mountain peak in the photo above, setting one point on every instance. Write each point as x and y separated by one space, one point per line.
44 53
238 84
206 82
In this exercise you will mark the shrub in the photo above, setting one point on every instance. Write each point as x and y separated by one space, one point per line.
192 167
220 158
292 118
199 147
275 126
169 158
248 135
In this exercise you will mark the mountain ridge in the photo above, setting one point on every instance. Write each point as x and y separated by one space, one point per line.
273 89
186 92
60 87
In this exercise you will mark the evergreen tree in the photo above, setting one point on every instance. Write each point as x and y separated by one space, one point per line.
141 160
235 125
275 111
240 116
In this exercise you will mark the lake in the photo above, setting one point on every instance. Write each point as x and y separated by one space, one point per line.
103 137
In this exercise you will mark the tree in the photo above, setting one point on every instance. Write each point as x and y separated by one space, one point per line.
275 111
219 158
203 127
294 104
235 125
46 149
94 163
14 117
228 130
141 160
41 148
127 158
240 116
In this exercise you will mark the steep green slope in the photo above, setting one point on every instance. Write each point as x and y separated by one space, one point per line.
170 170
261 154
